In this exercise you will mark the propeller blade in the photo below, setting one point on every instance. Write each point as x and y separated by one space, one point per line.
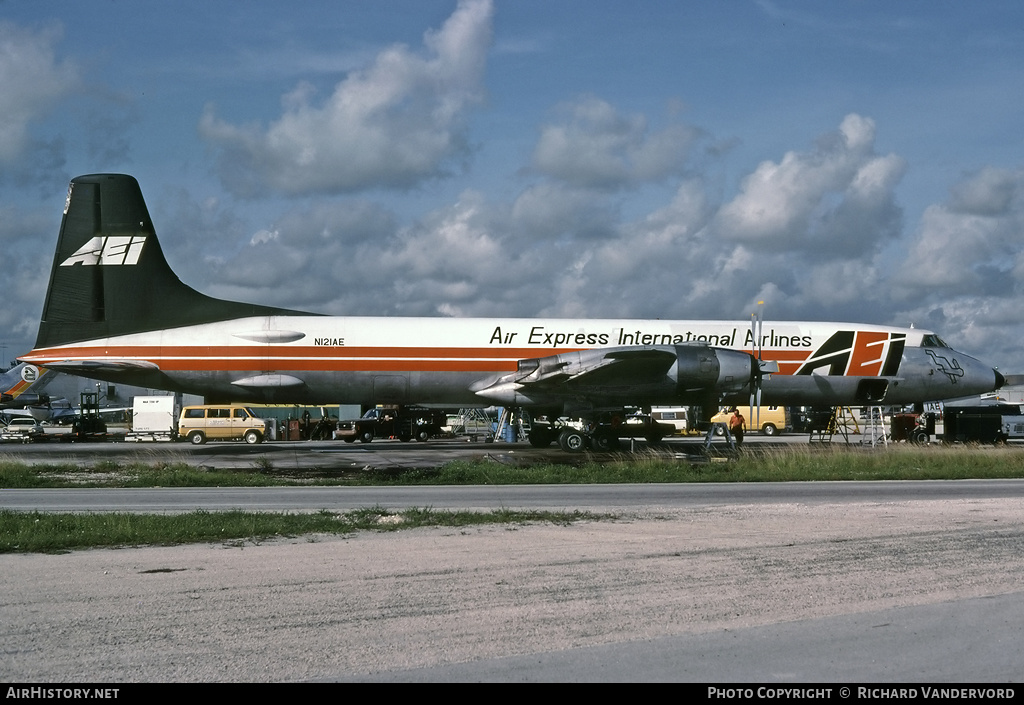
757 339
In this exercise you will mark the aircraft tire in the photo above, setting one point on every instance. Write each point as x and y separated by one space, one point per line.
606 442
572 441
540 437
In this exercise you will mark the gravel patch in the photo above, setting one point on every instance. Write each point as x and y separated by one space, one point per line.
320 607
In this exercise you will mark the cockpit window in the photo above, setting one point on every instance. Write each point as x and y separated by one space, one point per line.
933 341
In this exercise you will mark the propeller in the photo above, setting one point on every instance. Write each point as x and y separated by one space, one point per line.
763 368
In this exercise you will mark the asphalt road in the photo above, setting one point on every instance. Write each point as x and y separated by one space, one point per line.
963 641
647 498
335 454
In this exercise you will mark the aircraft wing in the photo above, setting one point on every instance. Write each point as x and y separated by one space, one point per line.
615 375
8 401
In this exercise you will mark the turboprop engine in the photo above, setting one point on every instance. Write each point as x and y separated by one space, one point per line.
627 375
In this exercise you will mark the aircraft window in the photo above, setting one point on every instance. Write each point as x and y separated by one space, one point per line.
933 341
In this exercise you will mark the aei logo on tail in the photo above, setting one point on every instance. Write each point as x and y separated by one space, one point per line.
108 250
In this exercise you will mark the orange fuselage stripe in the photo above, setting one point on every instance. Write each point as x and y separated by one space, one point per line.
210 358
337 351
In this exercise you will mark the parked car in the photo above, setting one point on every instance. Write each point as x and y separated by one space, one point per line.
24 429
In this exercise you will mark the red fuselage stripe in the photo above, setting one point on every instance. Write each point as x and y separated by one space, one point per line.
334 358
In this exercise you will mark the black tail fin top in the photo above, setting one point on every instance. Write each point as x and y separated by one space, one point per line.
109 275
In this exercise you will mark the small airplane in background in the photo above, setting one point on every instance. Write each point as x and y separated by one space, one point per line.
21 388
115 311
21 394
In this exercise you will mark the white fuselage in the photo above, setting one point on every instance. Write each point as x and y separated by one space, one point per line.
322 359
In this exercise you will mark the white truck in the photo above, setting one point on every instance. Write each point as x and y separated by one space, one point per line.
154 419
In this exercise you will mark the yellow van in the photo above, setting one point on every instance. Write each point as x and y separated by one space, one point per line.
772 420
220 422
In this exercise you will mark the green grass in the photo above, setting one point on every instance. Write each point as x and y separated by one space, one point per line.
899 462
35 532
793 463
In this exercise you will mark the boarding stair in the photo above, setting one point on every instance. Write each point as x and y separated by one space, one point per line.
841 422
473 422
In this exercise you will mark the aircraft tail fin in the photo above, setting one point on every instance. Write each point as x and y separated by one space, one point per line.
15 382
109 275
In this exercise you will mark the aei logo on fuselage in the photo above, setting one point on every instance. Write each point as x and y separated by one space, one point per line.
108 250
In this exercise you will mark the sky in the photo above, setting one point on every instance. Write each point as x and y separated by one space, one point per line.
845 161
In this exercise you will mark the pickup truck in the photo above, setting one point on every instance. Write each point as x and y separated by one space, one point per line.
403 423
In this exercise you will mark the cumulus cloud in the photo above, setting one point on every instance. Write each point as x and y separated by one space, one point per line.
971 243
551 212
563 248
594 146
26 241
838 196
964 271
395 123
989 192
32 81
803 234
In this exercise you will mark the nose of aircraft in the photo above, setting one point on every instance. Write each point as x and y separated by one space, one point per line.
976 378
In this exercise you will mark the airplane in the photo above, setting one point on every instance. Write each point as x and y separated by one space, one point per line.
15 384
115 311
21 394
